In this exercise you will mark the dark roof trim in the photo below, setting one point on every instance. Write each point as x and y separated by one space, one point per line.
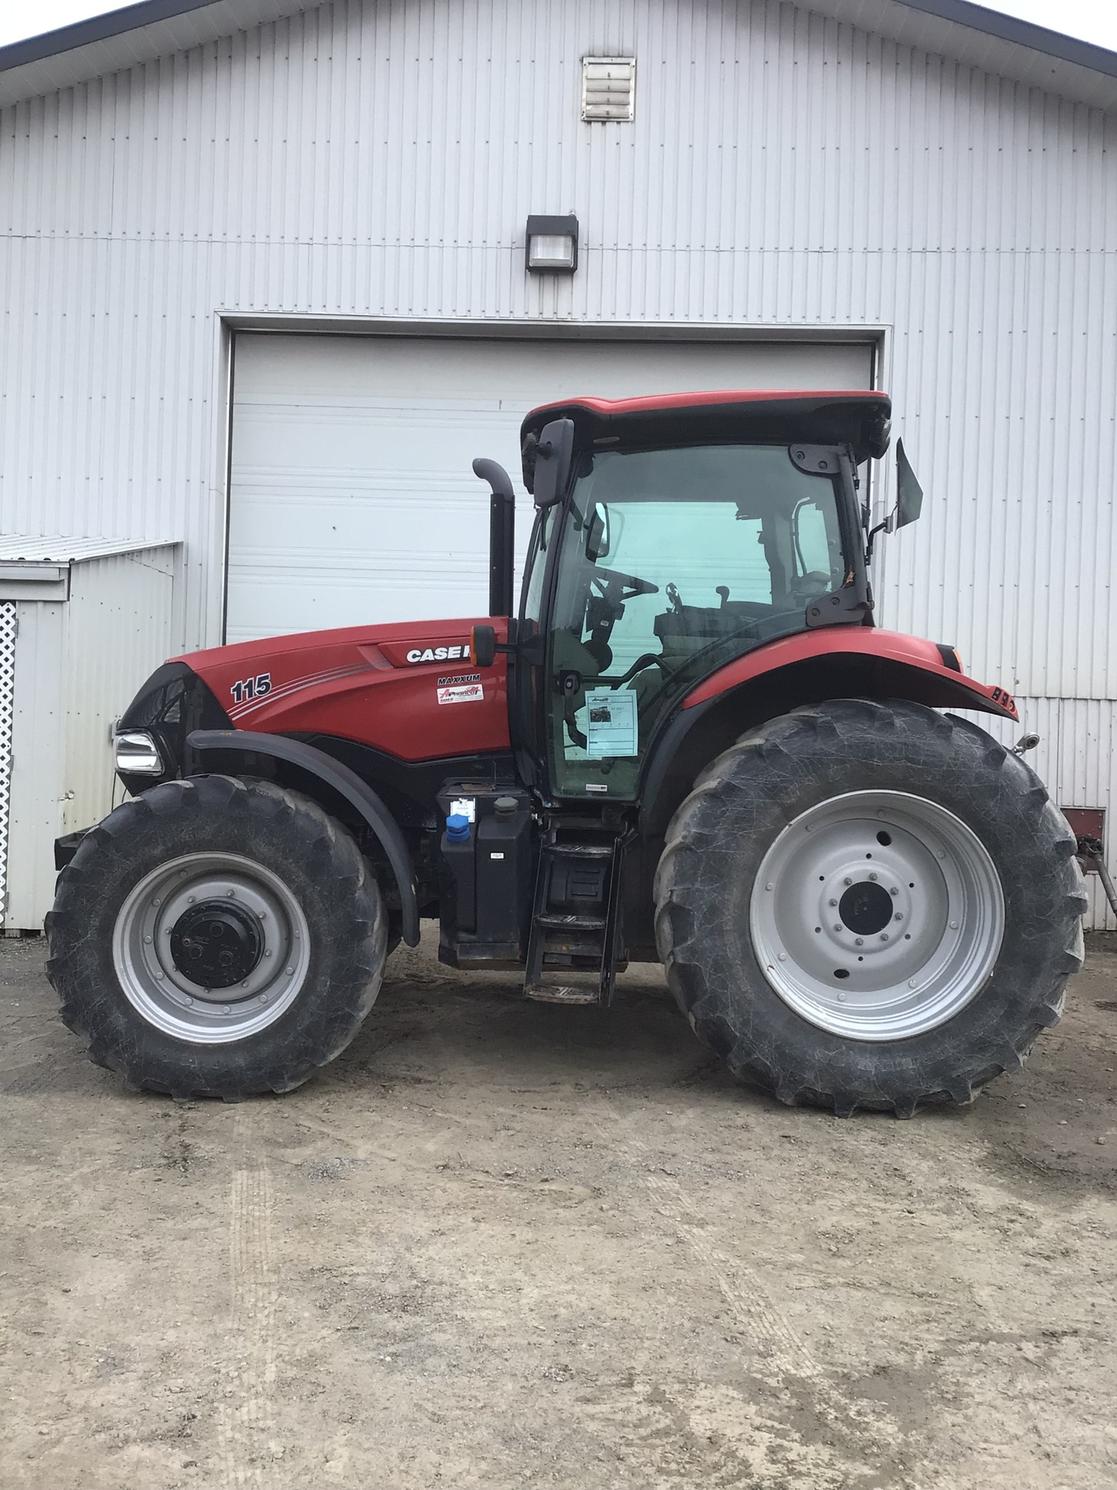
1022 33
961 12
95 28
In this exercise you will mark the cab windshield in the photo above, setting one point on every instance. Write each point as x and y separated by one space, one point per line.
673 562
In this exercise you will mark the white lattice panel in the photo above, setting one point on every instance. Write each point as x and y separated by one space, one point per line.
7 709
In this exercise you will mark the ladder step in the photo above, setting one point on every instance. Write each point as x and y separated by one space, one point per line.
560 921
579 850
562 993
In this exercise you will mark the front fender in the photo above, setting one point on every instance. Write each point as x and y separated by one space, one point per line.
347 784
906 666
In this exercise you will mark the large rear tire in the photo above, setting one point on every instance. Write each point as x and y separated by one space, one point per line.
869 905
217 938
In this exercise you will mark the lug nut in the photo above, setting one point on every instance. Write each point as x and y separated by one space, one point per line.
769 887
899 916
841 998
954 925
847 882
893 891
230 893
873 877
155 901
884 936
837 926
831 902
859 941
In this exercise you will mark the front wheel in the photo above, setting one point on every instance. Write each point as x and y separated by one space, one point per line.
216 937
869 905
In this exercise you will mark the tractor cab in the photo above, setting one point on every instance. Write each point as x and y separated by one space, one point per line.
672 536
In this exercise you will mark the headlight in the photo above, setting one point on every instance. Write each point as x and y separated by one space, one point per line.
135 753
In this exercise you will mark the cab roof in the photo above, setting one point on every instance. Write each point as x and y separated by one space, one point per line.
860 418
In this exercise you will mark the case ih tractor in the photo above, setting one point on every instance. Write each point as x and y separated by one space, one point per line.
689 744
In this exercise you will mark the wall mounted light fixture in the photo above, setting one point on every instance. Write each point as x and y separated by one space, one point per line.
552 244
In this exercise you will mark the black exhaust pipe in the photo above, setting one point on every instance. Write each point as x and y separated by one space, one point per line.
502 535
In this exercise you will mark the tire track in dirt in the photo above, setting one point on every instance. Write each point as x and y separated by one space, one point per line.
868 1436
246 1414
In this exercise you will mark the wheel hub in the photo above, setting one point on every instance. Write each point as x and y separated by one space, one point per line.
865 908
877 915
217 943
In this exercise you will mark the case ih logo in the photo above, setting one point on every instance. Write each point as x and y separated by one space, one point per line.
440 654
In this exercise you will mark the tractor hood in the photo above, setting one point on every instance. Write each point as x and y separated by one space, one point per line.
407 689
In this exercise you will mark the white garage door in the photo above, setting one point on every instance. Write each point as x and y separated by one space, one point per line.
352 497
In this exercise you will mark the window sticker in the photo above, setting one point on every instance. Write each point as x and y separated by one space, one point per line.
611 728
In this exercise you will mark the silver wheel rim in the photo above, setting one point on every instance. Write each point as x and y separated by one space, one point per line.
268 918
877 915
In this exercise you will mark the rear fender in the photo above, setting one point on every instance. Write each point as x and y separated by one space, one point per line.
845 662
340 780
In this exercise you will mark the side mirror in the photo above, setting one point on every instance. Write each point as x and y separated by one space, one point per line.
598 537
554 456
482 646
909 493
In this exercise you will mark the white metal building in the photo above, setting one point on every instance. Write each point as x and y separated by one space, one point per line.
264 290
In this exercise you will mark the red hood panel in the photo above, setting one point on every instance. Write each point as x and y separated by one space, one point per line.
405 688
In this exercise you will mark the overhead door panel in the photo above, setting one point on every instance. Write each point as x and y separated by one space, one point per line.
352 497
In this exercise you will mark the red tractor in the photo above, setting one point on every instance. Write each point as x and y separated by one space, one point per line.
690 744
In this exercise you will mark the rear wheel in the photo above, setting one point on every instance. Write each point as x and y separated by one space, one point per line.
869 905
217 937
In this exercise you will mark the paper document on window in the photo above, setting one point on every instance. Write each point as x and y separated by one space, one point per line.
611 728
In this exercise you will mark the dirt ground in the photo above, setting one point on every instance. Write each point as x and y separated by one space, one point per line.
508 1245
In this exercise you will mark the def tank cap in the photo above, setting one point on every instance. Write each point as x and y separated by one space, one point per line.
457 826
505 804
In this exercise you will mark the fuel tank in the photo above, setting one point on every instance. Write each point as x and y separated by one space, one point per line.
410 689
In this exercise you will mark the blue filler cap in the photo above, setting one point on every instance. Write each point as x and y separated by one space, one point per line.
457 826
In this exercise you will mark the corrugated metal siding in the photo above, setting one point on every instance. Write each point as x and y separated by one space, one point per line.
118 630
380 160
782 169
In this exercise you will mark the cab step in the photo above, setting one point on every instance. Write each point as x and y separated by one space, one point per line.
573 945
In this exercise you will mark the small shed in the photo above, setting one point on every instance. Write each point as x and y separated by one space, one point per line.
82 623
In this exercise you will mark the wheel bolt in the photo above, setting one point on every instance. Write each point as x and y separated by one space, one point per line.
893 891
783 956
290 970
147 941
873 877
884 936
954 925
155 901
268 952
190 900
859 941
189 1001
263 998
913 982
158 972
225 1009
837 926
847 882
841 998
768 887
899 916
230 893
831 902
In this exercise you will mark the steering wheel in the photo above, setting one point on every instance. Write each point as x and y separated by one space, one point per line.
617 586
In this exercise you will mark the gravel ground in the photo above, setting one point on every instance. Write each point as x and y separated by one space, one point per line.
502 1244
